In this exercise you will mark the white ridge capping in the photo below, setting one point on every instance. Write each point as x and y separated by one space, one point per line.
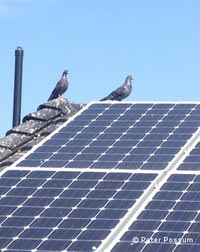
148 194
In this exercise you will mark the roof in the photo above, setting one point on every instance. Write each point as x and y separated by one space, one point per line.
34 127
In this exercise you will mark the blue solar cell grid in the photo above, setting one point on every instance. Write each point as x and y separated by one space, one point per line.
192 161
169 222
42 210
121 136
52 209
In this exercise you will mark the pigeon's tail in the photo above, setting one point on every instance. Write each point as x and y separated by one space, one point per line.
112 96
104 99
109 97
51 97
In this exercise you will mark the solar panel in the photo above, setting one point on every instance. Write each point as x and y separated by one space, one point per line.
121 136
99 183
53 210
169 222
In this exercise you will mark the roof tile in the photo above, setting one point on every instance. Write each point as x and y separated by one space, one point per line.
48 117
28 128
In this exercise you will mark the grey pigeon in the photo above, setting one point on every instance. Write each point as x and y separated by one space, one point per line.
121 92
60 87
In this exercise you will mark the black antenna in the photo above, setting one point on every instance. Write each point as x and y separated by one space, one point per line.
17 86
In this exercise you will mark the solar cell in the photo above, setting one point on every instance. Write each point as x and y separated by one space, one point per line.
92 137
53 210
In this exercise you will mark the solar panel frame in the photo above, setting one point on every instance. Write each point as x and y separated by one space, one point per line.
49 210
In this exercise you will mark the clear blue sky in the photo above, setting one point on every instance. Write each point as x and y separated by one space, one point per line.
100 42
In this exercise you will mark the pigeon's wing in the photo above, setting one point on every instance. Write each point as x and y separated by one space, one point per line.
56 92
115 95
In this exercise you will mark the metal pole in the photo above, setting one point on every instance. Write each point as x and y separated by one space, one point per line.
17 86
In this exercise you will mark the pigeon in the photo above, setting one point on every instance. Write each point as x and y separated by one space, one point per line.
121 92
60 87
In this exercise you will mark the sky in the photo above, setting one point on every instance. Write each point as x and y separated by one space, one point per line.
100 42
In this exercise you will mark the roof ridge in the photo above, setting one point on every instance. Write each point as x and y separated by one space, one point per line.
34 127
